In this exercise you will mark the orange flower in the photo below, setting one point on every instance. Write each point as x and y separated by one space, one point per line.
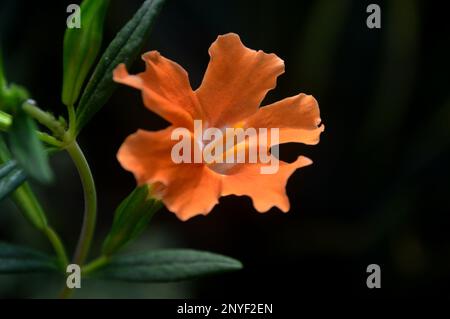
236 81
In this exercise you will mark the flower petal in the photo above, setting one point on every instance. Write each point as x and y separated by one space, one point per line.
297 118
265 190
236 81
194 190
165 89
187 189
147 155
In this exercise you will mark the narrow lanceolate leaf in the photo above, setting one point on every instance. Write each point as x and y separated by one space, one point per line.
27 149
7 167
123 49
11 177
130 219
81 46
26 201
11 182
23 196
17 259
167 266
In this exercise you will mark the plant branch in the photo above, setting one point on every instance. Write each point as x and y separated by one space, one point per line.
5 124
57 246
90 199
27 202
46 119
95 264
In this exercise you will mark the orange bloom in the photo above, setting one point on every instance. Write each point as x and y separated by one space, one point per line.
235 83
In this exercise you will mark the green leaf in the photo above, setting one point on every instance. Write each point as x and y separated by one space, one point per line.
24 196
27 149
7 167
81 46
123 49
28 204
17 259
11 182
130 219
10 178
5 121
167 266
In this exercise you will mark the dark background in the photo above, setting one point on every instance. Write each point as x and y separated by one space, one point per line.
378 191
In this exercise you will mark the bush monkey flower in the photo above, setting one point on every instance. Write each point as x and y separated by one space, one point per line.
220 141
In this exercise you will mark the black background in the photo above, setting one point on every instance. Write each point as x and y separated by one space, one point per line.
378 191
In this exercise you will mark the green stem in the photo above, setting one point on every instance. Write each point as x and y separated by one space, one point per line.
72 120
27 202
57 246
90 207
46 119
30 206
65 292
90 200
5 124
95 264
50 140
